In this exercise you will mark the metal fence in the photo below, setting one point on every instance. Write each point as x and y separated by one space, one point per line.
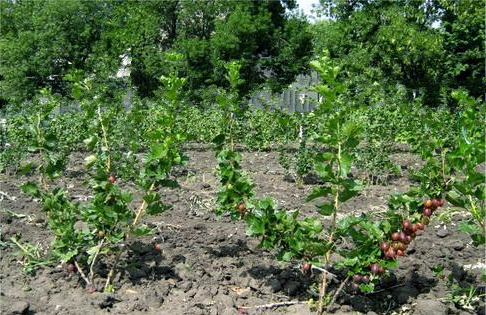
296 98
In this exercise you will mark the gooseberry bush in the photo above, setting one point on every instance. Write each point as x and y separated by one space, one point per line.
108 223
368 244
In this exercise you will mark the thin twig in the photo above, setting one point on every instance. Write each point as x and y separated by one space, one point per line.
339 291
91 272
325 271
278 304
382 290
142 206
322 293
105 140
113 268
82 273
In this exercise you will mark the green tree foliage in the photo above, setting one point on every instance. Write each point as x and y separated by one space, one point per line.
42 40
258 34
464 37
429 46
50 42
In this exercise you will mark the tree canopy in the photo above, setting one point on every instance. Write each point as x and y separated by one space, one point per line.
45 40
427 46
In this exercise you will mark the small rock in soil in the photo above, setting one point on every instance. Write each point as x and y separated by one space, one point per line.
429 307
292 288
186 286
404 293
442 233
18 308
275 285
361 303
224 302
458 245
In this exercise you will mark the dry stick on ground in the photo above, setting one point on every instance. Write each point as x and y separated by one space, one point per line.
82 273
271 305
339 290
91 267
324 271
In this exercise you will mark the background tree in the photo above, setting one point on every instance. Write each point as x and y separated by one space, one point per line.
462 26
42 40
423 45
45 40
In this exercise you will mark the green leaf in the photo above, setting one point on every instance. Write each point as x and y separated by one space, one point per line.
65 257
126 197
352 188
367 287
345 164
90 142
26 168
478 239
457 200
325 171
92 252
319 192
266 203
287 256
469 228
254 226
465 136
91 160
350 262
156 208
326 209
141 230
31 189
152 197
159 151
219 139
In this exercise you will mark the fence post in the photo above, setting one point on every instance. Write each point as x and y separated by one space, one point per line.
298 102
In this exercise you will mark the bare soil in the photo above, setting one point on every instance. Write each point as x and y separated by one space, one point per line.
209 266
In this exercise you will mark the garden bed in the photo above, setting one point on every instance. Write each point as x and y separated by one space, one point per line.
208 266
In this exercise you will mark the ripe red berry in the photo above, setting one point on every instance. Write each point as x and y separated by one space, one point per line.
242 208
414 228
403 237
375 269
406 224
357 278
395 236
306 269
365 279
112 179
71 268
391 253
402 247
435 203
420 226
427 212
354 287
400 252
384 246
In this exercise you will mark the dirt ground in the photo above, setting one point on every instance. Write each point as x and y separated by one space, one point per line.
209 266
